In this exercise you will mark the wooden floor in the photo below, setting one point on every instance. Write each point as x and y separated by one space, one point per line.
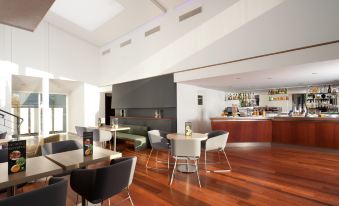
277 175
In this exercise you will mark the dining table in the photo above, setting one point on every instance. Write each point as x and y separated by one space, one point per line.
187 168
36 168
75 159
113 129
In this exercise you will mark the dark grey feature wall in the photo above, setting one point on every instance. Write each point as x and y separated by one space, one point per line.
155 92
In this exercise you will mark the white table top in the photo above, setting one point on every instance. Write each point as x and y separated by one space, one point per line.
182 136
113 129
36 168
75 159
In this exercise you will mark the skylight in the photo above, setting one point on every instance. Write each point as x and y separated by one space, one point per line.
88 14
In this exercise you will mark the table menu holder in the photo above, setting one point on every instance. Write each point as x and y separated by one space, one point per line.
16 156
188 128
88 143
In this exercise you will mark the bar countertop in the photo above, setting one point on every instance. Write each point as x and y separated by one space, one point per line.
260 118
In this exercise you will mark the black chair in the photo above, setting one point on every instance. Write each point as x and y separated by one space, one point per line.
97 185
58 147
3 155
3 135
52 195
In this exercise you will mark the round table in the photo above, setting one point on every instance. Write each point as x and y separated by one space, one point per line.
186 168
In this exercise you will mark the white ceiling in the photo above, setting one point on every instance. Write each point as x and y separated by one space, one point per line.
134 14
295 76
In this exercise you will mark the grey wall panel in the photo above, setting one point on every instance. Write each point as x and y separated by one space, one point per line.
166 125
155 92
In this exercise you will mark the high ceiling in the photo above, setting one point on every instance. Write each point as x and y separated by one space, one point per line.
133 14
294 76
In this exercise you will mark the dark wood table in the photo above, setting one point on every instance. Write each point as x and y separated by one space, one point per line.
75 159
36 168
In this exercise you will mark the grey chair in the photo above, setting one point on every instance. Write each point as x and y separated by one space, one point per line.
97 185
58 147
158 143
216 142
62 146
188 150
3 135
80 130
52 195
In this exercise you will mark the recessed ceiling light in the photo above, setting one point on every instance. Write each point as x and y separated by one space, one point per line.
269 77
88 14
238 78
314 73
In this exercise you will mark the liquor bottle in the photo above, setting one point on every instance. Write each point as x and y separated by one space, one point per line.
329 89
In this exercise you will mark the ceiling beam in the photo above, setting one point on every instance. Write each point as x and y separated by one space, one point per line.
25 14
160 6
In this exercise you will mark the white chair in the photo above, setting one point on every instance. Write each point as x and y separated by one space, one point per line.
216 142
101 136
104 137
188 150
80 130
158 143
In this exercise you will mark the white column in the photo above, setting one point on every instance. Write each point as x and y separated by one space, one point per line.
46 116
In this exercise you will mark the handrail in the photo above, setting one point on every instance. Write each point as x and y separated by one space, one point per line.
19 120
3 111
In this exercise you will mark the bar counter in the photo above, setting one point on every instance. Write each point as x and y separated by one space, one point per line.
308 131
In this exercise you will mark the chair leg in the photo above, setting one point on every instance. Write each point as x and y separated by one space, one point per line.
219 156
196 167
130 198
229 165
109 201
205 161
76 201
148 158
168 159
156 160
175 165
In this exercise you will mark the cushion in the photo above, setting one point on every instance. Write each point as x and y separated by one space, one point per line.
135 129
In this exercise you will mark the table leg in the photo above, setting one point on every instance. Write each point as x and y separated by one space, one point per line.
115 141
11 191
83 201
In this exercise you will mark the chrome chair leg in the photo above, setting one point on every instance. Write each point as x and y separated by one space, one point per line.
227 160
219 156
196 167
156 160
175 165
205 160
148 158
130 198
168 159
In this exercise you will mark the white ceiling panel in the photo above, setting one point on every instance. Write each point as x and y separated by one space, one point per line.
133 15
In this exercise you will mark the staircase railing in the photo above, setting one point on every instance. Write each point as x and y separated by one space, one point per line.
7 123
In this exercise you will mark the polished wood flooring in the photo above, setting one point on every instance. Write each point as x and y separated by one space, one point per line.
264 175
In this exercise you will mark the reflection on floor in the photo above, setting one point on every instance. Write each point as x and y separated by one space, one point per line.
263 175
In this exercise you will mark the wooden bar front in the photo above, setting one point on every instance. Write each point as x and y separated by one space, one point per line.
317 132
254 130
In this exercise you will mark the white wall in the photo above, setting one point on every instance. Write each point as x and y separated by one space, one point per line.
50 53
76 109
188 109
